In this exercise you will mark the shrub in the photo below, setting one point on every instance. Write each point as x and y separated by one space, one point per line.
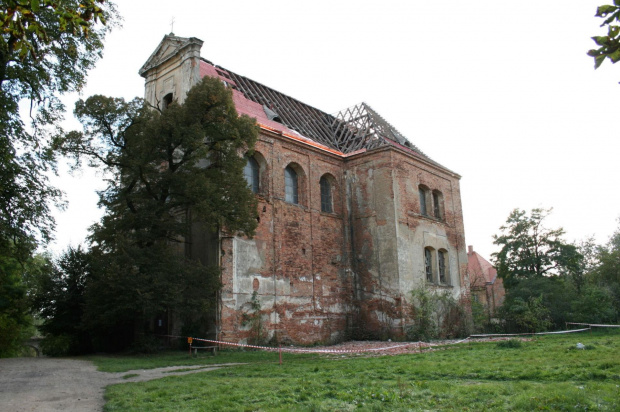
253 319
56 345
437 315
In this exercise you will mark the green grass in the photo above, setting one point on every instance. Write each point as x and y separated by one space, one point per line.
123 363
547 373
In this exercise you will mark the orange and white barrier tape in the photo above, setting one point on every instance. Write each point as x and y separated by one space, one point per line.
498 335
594 324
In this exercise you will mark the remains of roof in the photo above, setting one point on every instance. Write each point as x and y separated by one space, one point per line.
355 129
358 127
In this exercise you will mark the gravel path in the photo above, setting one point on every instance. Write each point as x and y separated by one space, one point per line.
51 384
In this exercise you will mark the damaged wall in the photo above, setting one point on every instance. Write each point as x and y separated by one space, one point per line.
323 276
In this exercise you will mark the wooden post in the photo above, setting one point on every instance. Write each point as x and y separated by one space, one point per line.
280 352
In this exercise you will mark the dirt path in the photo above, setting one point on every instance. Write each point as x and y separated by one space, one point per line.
49 384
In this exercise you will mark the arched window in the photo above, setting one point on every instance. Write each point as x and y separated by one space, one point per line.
251 174
428 264
291 190
167 101
442 256
422 192
326 195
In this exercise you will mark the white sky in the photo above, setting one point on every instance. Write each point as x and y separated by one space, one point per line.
500 92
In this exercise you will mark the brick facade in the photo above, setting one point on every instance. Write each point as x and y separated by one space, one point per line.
324 276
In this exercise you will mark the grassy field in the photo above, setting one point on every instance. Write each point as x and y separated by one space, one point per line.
546 373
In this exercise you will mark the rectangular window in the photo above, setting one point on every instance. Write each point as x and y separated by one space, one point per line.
423 202
428 265
436 208
442 266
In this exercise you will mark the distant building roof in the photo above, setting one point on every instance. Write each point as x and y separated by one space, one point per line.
481 271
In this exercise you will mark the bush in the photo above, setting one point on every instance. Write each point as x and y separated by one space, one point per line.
437 315
146 344
522 315
253 320
56 345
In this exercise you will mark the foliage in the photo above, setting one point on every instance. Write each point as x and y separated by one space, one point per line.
436 315
60 300
525 315
16 321
606 274
253 319
541 374
424 305
46 49
609 45
549 282
133 285
529 249
170 170
480 316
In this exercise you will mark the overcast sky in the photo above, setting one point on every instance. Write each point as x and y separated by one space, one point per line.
500 92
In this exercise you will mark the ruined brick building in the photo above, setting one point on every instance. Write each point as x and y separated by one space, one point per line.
486 287
352 216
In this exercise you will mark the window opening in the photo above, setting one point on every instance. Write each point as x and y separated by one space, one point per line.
251 174
167 101
428 265
442 266
290 186
436 209
423 202
326 195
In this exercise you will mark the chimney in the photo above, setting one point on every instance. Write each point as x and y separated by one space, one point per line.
470 249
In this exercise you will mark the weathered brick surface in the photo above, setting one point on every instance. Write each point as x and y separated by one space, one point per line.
321 277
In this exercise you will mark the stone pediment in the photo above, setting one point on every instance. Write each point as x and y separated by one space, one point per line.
169 47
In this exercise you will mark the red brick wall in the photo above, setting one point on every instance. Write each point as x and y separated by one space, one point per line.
324 277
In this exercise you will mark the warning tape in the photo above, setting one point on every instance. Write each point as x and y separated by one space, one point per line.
308 350
497 335
305 350
594 324
419 344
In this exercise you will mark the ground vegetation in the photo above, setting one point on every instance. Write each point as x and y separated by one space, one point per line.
544 373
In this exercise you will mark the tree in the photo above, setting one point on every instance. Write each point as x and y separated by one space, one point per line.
530 250
16 285
607 273
527 315
169 170
46 49
59 299
609 45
